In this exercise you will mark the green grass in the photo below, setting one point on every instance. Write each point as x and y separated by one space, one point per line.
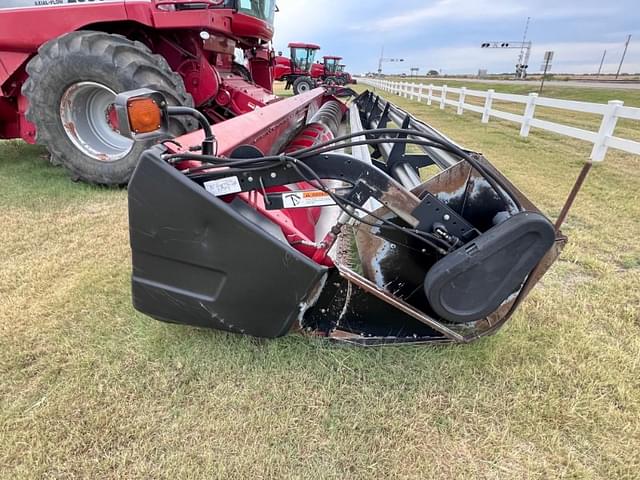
585 94
91 389
625 128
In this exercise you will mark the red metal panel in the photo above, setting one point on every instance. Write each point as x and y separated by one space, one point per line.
43 24
9 63
269 128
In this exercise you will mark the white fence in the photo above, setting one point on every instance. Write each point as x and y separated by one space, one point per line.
602 140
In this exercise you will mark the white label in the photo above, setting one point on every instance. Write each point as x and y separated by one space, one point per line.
314 198
223 186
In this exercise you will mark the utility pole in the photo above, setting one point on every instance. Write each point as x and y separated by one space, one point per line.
601 63
548 58
626 45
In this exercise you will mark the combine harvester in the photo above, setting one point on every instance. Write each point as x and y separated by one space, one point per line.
58 82
310 214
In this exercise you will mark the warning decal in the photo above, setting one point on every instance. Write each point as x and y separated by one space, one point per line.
312 198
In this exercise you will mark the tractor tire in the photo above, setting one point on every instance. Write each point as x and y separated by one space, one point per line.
302 85
331 81
72 84
242 71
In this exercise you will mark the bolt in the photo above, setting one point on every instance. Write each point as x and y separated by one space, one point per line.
446 217
250 179
273 175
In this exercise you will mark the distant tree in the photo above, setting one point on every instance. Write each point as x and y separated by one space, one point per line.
433 72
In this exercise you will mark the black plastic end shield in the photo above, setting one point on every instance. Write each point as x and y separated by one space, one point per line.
472 282
197 261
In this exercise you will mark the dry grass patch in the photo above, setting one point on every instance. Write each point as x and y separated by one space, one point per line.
91 389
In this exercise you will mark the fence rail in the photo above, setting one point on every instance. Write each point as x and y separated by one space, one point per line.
602 140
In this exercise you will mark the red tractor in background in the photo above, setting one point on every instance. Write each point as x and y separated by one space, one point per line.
59 82
327 71
296 69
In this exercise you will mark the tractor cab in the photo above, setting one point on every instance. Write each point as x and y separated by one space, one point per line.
302 57
296 69
331 65
327 71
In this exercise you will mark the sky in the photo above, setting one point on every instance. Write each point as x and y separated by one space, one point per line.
446 34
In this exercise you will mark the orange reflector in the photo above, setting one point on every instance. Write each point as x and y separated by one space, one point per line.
145 115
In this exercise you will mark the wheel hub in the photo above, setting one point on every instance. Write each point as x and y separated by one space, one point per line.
87 115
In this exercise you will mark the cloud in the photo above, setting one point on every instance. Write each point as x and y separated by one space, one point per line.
306 21
445 9
455 11
447 33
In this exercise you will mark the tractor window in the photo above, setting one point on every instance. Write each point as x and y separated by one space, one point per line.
331 64
303 58
262 9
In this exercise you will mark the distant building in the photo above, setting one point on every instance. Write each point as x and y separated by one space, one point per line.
482 73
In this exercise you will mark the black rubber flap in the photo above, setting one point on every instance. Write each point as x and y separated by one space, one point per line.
472 282
197 261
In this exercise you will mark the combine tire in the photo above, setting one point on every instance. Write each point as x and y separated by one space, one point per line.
302 85
72 84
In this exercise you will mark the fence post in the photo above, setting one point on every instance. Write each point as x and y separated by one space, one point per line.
487 106
463 92
430 94
528 114
420 90
443 97
607 127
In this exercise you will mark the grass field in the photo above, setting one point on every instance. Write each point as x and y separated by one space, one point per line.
91 389
625 128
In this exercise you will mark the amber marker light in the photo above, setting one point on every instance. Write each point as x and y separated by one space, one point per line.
145 115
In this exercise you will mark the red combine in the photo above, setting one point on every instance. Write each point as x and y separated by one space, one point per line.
311 215
58 83
327 71
295 70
